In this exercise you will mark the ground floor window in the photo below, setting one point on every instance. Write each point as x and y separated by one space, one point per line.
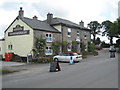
69 47
48 50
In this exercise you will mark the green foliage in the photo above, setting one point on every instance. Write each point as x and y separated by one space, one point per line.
105 45
74 46
64 46
82 45
106 27
16 58
43 59
84 53
95 27
91 47
56 47
97 41
39 49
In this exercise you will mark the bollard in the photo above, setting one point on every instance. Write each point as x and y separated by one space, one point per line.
71 60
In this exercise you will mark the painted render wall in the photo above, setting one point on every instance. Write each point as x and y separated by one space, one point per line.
22 44
2 47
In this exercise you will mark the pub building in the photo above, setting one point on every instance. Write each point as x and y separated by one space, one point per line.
20 36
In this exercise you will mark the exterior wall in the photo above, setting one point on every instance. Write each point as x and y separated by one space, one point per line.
2 47
58 27
88 37
21 44
42 34
74 36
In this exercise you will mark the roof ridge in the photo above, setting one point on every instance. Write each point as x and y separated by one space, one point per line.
32 19
66 20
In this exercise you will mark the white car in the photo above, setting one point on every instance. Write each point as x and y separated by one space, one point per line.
65 57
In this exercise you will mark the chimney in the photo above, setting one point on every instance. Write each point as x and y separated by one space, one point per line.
49 17
35 18
21 13
81 23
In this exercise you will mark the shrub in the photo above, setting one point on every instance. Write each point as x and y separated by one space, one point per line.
42 59
74 46
16 58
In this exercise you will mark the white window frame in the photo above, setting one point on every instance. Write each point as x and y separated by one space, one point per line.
48 50
49 38
69 32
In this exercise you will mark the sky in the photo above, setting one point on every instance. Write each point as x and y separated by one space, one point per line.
73 10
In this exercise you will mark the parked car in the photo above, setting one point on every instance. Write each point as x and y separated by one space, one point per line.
98 47
65 57
112 49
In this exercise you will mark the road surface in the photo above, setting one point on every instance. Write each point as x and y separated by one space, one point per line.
93 72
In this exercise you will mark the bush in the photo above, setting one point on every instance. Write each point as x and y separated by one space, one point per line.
42 60
16 58
85 53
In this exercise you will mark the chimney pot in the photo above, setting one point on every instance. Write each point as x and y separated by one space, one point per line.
35 18
81 23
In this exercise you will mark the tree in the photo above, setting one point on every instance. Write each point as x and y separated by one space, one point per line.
97 41
95 27
113 31
106 25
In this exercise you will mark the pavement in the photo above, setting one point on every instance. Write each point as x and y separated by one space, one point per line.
4 64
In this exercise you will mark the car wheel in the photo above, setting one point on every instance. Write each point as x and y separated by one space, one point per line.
56 59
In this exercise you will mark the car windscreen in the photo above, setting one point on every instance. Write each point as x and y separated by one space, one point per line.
64 54
75 54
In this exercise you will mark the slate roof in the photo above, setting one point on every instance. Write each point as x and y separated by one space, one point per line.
56 21
39 25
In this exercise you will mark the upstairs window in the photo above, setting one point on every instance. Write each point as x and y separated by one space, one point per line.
85 35
10 47
69 32
49 37
78 33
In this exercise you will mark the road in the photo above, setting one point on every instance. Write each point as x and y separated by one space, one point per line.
93 72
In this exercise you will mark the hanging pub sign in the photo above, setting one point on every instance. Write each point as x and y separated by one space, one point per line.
18 30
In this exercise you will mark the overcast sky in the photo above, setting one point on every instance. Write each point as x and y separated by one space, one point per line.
73 10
